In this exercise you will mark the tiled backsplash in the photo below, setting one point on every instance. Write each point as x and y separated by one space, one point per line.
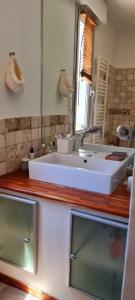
121 100
53 125
17 135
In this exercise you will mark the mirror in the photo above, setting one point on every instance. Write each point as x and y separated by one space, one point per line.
58 54
114 45
115 42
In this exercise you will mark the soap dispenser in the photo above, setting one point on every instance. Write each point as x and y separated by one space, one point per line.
32 153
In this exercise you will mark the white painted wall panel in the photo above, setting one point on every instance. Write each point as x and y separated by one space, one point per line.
20 32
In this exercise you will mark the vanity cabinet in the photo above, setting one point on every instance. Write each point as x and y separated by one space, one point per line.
97 255
18 231
96 267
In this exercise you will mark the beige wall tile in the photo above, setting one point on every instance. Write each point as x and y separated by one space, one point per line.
19 137
2 141
27 135
70 118
130 77
10 166
52 131
2 155
27 147
118 77
61 120
35 145
11 153
10 124
47 132
66 129
39 133
69 128
2 168
54 120
34 122
40 120
47 141
18 123
66 119
58 129
2 126
18 163
10 139
13 124
19 151
121 95
46 121
62 128
25 123
34 134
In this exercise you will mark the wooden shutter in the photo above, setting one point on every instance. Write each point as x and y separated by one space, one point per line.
88 44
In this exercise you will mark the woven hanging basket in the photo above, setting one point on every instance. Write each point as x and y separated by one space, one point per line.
64 87
14 78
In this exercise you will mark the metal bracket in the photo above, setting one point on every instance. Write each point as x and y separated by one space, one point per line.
73 256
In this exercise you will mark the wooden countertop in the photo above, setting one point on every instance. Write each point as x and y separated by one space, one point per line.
117 203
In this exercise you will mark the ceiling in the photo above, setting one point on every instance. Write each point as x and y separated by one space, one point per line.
122 13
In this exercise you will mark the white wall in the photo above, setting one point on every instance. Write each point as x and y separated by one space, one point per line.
125 49
105 41
99 7
59 25
115 45
20 32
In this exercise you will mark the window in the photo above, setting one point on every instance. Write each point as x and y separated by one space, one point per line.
85 49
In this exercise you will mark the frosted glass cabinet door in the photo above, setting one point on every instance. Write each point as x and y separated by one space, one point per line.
18 231
97 257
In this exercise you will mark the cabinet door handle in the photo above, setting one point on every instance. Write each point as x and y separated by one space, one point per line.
73 256
27 240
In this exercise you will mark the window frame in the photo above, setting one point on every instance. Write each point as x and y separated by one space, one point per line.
78 10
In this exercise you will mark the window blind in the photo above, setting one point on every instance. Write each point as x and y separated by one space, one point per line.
87 19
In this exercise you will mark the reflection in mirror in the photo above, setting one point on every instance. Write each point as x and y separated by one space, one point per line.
58 54
85 51
104 80
107 99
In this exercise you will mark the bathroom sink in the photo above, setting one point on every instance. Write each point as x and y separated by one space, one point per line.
91 173
105 149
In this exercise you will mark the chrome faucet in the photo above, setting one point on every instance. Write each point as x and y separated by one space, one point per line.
90 130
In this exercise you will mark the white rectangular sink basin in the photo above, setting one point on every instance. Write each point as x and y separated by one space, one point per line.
107 148
86 173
